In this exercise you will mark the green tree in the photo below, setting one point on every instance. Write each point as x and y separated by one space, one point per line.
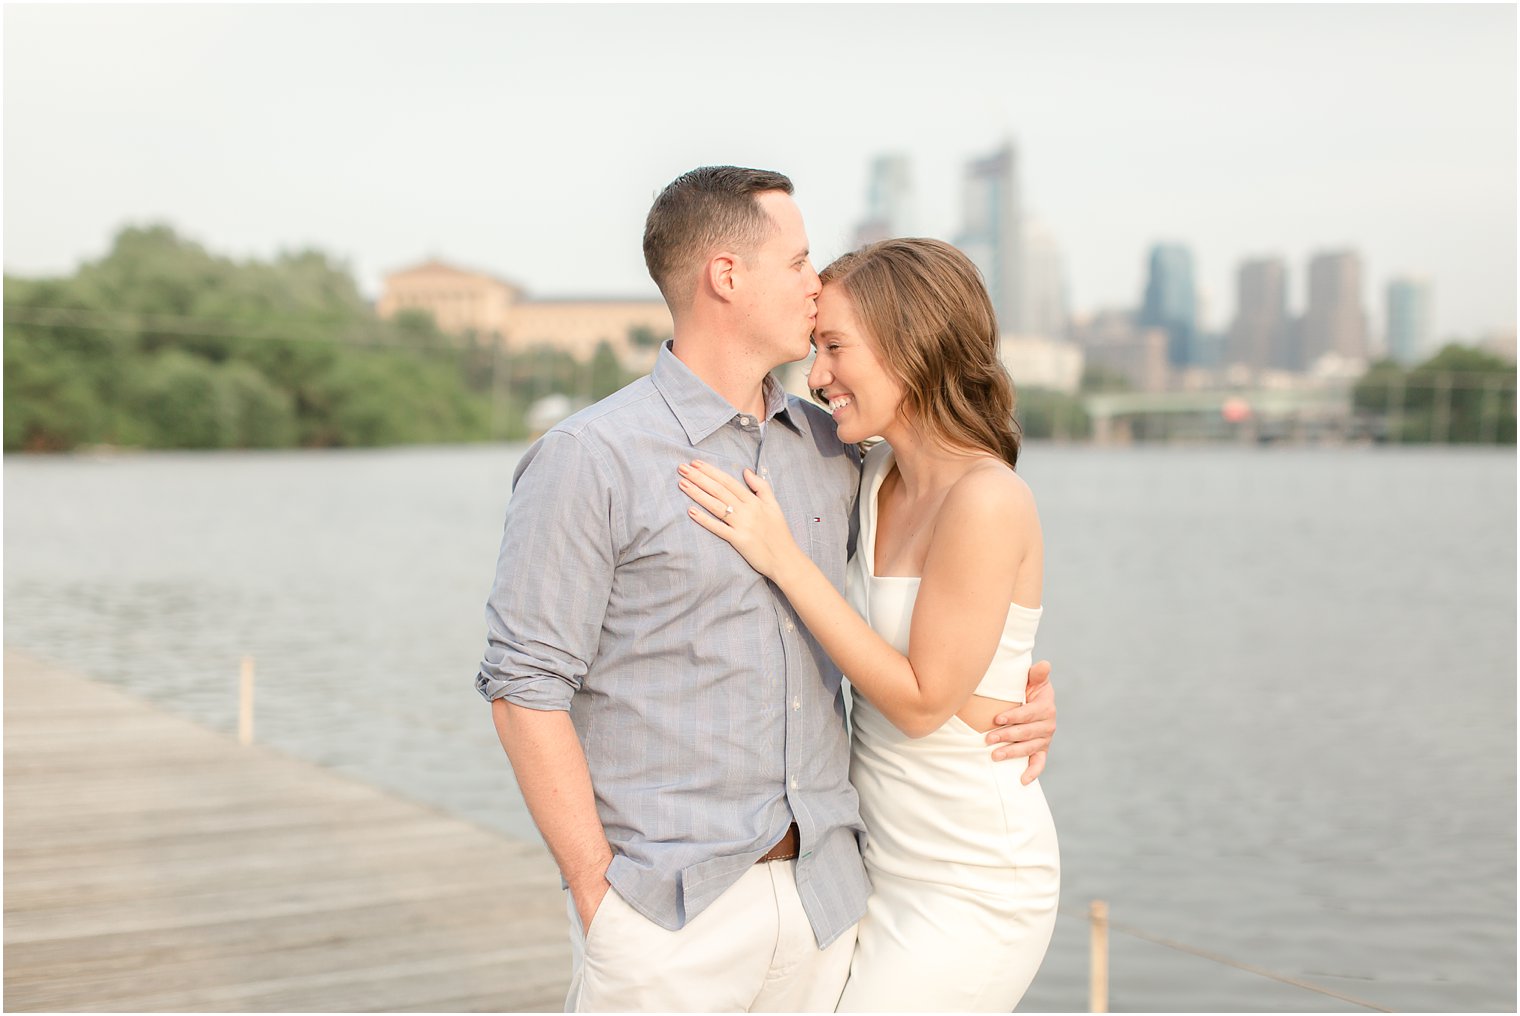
165 344
1459 395
607 374
50 403
644 337
1043 413
181 403
416 327
264 416
1097 378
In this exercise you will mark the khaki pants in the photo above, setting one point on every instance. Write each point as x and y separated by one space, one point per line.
752 949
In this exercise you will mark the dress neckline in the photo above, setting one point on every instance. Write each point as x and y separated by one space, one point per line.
890 460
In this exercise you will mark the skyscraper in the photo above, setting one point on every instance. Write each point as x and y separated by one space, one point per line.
1045 300
888 201
1170 302
1334 321
992 233
1409 312
1259 336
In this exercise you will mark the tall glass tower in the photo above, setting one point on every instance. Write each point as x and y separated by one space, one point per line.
1171 302
1409 307
889 197
992 234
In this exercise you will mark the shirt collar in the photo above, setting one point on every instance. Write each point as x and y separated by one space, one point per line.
699 409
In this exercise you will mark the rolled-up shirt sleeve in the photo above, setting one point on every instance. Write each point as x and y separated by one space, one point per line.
553 577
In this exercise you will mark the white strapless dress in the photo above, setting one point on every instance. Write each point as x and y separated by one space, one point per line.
963 860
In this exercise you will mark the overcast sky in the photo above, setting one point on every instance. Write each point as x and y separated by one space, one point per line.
528 141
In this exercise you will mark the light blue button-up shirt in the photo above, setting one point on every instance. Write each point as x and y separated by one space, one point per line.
710 718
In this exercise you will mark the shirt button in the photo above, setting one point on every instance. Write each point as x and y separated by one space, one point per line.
790 626
796 703
745 421
794 783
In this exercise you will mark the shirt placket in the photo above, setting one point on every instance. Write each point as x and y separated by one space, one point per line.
752 440
796 719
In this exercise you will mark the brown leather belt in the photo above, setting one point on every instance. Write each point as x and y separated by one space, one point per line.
787 849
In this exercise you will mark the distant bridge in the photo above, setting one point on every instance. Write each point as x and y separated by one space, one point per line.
1322 408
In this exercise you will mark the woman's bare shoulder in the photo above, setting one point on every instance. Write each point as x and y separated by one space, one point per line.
989 491
985 530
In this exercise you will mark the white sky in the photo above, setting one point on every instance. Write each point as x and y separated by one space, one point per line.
529 140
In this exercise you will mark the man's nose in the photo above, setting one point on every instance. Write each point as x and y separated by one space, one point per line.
815 285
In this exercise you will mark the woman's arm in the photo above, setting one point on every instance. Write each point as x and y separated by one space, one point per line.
981 536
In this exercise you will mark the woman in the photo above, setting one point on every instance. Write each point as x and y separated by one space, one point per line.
945 586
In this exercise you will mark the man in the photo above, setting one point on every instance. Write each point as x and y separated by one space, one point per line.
696 796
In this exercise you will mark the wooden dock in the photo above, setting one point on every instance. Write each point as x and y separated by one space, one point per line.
153 865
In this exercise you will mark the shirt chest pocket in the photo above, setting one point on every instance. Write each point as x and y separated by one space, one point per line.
827 521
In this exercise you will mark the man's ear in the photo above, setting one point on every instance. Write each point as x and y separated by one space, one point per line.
723 274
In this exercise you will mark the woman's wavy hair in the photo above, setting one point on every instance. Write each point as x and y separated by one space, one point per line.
927 311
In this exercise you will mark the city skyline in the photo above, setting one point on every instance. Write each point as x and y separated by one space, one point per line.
523 142
1021 259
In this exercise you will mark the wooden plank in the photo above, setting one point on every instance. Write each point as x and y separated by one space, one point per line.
242 980
144 882
245 938
271 849
259 846
312 823
303 818
362 988
154 865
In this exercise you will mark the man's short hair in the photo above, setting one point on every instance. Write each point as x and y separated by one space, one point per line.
701 212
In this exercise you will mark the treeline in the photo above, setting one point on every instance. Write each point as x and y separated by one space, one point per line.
162 344
1461 395
1046 413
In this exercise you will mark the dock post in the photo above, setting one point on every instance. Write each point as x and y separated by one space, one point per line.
245 703
1098 971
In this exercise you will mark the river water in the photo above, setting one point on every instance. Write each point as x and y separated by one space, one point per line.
1286 679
